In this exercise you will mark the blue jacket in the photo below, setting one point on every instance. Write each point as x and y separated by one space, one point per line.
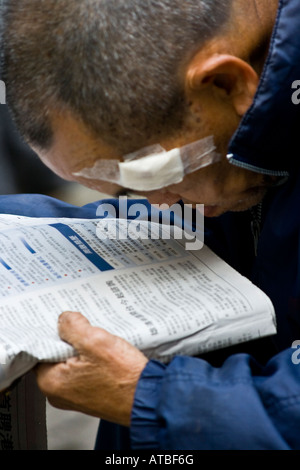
246 397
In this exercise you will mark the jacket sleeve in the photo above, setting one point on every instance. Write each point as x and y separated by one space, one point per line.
190 405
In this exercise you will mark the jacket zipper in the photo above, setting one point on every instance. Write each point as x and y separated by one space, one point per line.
256 215
248 166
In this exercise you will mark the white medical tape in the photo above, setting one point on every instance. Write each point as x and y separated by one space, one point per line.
152 172
142 172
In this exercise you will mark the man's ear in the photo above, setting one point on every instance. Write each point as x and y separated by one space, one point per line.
232 78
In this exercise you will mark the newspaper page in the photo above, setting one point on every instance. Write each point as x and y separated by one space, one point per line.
163 299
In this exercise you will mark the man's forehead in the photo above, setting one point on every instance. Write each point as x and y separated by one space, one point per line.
78 146
75 143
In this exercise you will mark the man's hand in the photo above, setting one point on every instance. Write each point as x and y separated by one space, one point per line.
101 380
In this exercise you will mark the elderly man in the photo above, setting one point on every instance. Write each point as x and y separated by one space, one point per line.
90 82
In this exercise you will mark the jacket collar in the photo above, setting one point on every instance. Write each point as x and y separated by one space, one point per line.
267 135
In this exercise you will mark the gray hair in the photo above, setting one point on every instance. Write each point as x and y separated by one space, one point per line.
113 63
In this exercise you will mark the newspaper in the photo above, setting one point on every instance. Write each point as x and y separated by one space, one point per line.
160 297
23 416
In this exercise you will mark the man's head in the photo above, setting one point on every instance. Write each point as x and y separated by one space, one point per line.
101 78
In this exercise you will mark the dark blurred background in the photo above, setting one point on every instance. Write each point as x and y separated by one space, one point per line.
21 171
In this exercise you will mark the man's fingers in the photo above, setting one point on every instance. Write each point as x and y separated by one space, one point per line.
74 328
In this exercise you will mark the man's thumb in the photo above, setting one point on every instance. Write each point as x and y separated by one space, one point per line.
73 328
